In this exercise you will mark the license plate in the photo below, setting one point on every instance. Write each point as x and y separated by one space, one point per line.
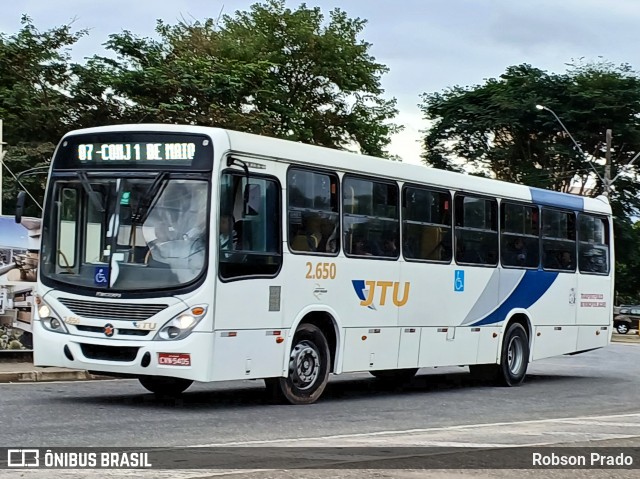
174 359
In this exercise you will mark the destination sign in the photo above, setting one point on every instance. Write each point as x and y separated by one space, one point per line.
136 151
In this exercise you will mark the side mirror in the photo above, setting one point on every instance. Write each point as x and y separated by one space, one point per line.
20 206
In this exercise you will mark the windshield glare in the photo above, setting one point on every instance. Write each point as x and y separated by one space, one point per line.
126 234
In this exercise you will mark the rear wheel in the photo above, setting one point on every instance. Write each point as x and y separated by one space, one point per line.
308 374
515 356
165 386
514 359
395 376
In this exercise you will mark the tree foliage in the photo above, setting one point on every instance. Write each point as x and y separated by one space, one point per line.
289 73
495 129
35 105
269 70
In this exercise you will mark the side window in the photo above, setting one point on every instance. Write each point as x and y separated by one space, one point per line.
68 224
593 246
370 215
249 226
426 224
313 215
476 230
520 239
558 240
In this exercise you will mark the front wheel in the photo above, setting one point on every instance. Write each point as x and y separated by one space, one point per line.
308 375
165 386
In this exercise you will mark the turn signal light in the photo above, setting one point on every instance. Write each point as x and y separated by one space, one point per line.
279 339
364 338
197 311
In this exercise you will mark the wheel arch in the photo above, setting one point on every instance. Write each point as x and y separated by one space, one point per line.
522 317
327 320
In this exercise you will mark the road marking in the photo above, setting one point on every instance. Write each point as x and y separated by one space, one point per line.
426 430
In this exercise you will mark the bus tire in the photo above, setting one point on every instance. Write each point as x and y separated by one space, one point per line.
309 363
395 376
514 359
165 386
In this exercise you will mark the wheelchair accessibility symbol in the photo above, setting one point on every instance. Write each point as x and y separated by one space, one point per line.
458 282
101 276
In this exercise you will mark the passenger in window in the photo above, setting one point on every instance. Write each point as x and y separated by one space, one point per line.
314 232
518 253
361 247
389 247
332 241
228 236
465 254
565 260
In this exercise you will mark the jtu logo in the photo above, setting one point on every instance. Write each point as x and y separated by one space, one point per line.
366 291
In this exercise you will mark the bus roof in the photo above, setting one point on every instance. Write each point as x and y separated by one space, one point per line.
317 156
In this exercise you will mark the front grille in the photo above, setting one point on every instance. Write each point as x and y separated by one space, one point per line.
98 310
123 332
132 332
109 353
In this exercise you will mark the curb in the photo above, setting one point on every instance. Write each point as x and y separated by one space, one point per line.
44 376
626 341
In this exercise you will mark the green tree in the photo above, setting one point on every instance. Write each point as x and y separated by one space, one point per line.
35 105
269 70
495 129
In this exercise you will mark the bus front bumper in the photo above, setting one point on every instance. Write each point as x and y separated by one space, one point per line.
188 358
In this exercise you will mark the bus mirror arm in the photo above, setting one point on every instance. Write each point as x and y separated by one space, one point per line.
235 161
20 206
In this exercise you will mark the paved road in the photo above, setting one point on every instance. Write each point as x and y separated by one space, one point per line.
104 413
566 400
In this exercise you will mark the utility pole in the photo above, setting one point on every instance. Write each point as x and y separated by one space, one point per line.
607 166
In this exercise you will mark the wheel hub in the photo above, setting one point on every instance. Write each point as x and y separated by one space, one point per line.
515 354
304 365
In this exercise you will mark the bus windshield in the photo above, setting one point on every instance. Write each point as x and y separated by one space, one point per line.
125 233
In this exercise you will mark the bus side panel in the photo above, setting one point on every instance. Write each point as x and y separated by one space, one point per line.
250 304
247 355
488 345
593 300
448 346
554 340
428 301
371 349
409 348
590 337
557 306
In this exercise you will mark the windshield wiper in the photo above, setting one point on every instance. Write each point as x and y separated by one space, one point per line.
90 193
144 206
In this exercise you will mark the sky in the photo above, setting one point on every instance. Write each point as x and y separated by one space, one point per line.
429 45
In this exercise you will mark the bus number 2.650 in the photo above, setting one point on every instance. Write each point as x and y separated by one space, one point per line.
322 271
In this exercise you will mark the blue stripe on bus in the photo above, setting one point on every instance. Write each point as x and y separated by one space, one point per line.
530 289
555 198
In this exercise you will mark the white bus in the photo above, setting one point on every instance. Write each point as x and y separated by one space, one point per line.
175 254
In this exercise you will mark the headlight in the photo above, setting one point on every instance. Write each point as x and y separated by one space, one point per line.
50 319
180 326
